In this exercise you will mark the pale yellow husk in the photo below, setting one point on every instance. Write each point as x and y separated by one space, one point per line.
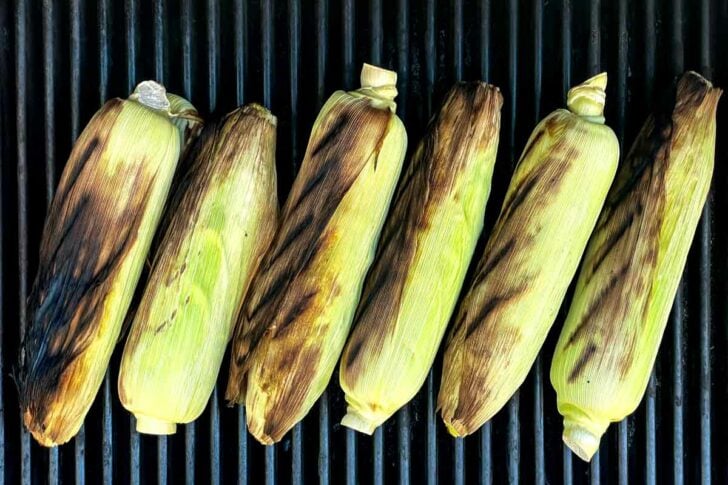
550 209
99 229
426 247
632 268
222 218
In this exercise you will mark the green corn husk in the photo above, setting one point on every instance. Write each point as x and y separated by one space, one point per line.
633 266
223 217
95 241
426 246
550 209
296 318
187 120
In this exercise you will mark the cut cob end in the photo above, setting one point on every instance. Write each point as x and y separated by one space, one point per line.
377 77
381 81
363 422
588 98
583 437
150 425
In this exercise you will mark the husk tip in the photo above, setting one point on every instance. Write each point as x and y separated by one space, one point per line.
374 76
588 98
382 81
598 81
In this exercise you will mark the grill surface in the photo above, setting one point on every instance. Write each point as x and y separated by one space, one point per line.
60 60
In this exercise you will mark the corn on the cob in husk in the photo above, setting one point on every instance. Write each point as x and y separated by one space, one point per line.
549 211
95 241
296 318
426 246
223 217
632 268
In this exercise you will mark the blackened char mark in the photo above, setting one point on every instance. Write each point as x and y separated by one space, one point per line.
494 303
90 150
584 359
533 142
633 190
98 131
299 238
460 320
614 237
77 263
493 260
318 245
75 167
289 237
645 153
295 311
375 283
272 292
71 223
314 182
598 305
330 139
353 354
354 132
521 193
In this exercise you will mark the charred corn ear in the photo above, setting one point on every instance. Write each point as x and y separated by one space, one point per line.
426 246
95 241
224 215
632 268
550 209
297 315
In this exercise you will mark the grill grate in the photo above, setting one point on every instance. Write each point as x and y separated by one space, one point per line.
60 60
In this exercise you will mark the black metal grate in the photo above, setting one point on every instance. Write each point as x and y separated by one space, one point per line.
59 60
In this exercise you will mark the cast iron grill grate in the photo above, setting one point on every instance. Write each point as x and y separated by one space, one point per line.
60 60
